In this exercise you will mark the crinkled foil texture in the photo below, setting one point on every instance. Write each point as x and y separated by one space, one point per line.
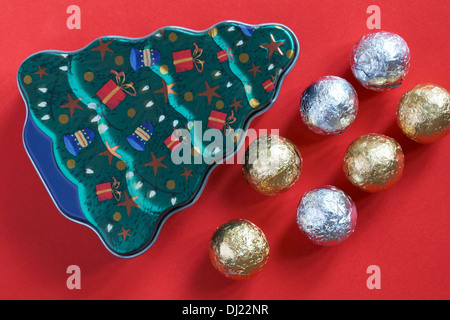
423 113
326 215
272 164
329 105
380 60
239 249
374 162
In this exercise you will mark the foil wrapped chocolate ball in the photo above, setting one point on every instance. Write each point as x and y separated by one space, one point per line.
326 215
423 113
239 249
272 164
329 105
380 60
374 162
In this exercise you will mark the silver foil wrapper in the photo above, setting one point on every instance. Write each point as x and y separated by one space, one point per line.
380 60
326 215
329 105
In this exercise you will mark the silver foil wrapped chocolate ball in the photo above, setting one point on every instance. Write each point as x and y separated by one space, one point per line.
380 60
326 215
329 105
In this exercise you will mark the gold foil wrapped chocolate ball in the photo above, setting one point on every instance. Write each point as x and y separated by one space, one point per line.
374 162
239 249
423 113
272 164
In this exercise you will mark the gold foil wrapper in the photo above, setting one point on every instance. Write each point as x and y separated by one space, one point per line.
423 113
239 249
272 164
374 162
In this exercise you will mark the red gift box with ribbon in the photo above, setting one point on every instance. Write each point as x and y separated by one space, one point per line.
268 85
222 56
114 91
184 61
216 120
106 191
174 140
220 120
225 55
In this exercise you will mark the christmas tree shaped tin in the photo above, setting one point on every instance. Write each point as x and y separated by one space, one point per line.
117 130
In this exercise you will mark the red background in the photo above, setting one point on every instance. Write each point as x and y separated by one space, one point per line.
403 230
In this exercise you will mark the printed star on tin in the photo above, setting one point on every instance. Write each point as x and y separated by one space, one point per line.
103 47
41 72
155 163
273 46
124 233
72 105
112 150
108 154
129 203
209 92
255 70
166 90
236 104
187 173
